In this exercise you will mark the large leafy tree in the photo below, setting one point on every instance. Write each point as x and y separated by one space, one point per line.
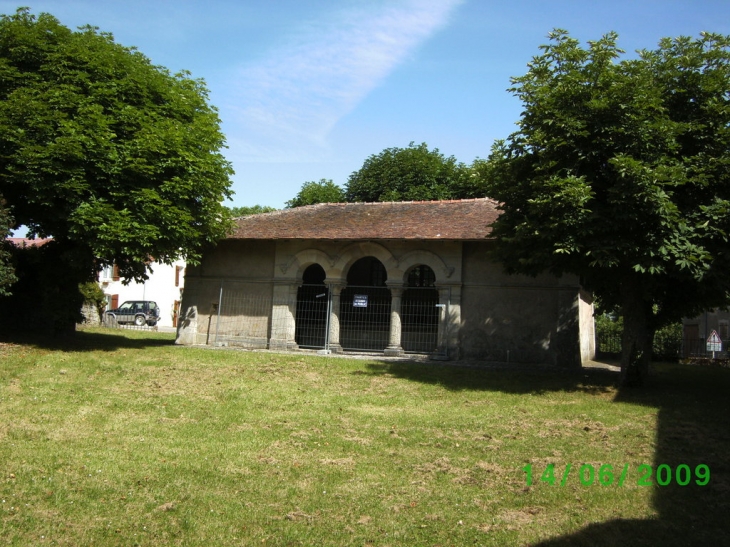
7 274
247 210
115 158
324 191
620 173
411 173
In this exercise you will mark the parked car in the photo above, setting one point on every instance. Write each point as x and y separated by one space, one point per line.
137 312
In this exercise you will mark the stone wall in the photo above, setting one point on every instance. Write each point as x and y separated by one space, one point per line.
487 314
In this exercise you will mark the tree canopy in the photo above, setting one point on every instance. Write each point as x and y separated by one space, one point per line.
7 274
105 152
324 191
250 210
620 172
413 173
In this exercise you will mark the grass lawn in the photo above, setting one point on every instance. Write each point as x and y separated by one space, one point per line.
122 438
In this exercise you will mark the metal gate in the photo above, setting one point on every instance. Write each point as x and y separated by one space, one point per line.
365 318
421 318
312 314
243 316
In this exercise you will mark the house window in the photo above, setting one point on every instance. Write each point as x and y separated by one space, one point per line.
178 274
722 330
106 273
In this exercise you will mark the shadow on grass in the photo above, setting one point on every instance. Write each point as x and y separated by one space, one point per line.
506 378
92 340
693 429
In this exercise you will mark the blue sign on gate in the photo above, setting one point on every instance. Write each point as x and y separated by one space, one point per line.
360 301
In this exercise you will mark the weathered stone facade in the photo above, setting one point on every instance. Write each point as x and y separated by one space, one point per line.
479 311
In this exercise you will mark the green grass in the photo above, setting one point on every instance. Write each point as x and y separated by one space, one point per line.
122 438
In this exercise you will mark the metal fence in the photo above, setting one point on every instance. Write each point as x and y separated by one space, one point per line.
365 318
698 348
312 316
110 321
251 316
422 317
243 318
664 348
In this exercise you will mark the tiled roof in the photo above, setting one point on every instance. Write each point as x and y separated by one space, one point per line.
25 242
468 219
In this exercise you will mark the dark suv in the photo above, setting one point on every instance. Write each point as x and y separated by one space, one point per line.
138 312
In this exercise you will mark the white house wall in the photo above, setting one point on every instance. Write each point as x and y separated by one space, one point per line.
160 288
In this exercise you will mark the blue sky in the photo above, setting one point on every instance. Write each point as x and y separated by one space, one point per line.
308 89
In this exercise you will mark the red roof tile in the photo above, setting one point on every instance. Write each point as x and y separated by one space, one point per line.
468 219
25 242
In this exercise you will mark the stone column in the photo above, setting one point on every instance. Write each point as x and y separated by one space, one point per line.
187 326
283 323
443 326
334 319
394 343
453 321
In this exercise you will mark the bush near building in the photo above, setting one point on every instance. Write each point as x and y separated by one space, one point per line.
667 340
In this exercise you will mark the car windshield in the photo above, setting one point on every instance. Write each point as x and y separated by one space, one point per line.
127 306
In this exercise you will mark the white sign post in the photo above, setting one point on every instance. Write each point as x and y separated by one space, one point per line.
714 343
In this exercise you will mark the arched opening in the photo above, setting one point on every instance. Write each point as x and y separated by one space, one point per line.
365 307
311 315
419 311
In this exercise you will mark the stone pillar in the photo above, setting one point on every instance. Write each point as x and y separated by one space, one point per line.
394 343
334 319
187 326
283 323
443 326
453 321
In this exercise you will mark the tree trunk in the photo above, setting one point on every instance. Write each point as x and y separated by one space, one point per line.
638 335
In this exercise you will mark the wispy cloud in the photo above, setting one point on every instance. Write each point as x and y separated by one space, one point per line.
289 101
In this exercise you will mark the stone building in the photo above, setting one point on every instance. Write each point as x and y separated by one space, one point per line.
382 277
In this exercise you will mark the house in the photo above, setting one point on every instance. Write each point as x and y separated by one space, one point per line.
696 332
391 278
164 286
24 242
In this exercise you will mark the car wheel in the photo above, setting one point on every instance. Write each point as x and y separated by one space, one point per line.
139 320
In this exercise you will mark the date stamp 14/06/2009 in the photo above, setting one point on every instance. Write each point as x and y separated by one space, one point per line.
605 475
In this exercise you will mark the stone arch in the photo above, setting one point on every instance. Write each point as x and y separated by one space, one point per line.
352 253
422 257
311 308
420 314
365 301
294 268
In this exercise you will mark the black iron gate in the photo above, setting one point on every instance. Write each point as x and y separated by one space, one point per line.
312 315
365 319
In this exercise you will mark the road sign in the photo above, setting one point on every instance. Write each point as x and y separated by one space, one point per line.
713 342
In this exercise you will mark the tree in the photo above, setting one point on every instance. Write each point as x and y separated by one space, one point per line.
117 159
324 191
413 173
7 274
620 173
250 210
